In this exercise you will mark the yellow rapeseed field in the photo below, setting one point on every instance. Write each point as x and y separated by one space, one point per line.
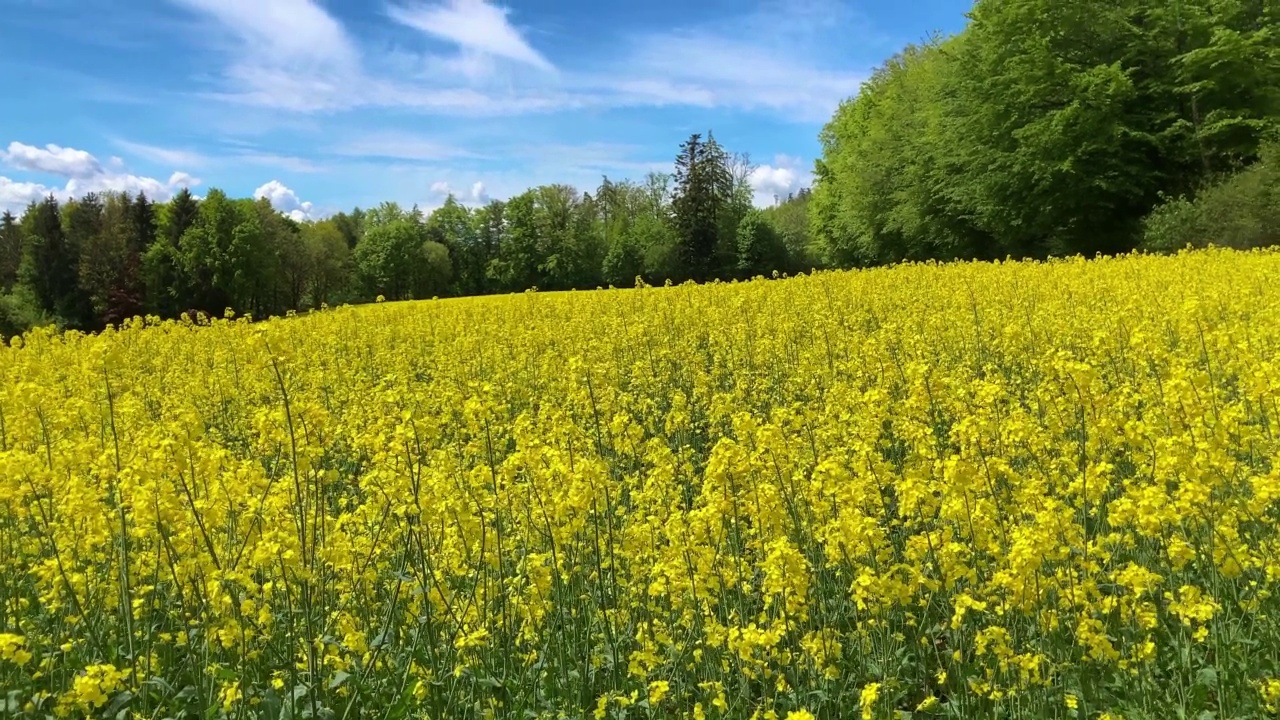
1014 490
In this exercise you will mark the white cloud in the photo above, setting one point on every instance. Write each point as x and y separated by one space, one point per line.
400 146
53 159
84 173
163 155
132 184
312 65
475 195
191 158
722 68
771 183
478 28
284 53
788 59
286 162
288 32
286 201
180 179
15 195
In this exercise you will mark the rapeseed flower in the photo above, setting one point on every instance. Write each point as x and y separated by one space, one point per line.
974 482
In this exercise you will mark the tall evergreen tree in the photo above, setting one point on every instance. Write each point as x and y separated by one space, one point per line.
142 217
82 222
10 250
48 267
178 216
700 180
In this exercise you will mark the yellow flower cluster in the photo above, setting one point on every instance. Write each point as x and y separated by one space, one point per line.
92 688
13 649
1024 490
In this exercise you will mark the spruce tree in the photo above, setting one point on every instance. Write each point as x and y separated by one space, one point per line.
700 179
48 267
10 250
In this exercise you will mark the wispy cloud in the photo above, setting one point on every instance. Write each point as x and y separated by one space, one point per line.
239 154
777 58
400 146
282 162
480 29
774 58
162 155
283 32
591 158
289 54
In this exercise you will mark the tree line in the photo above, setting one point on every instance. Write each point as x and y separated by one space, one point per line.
1055 128
101 259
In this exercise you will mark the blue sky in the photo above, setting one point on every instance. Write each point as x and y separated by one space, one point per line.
322 105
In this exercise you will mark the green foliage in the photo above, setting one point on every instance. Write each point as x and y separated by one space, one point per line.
10 250
791 219
383 257
20 311
351 225
110 265
1242 211
434 271
450 226
624 262
702 186
163 279
474 256
760 247
1045 128
329 262
48 266
661 248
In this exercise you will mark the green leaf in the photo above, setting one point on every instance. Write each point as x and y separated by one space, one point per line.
118 704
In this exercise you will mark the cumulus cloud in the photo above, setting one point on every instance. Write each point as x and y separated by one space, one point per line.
84 173
52 159
285 200
771 183
132 184
15 195
475 195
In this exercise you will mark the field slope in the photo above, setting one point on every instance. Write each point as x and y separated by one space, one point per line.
1011 490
